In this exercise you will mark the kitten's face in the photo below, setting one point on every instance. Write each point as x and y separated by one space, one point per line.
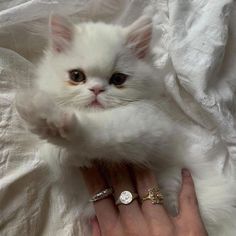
92 66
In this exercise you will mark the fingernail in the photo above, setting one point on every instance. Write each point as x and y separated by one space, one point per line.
185 172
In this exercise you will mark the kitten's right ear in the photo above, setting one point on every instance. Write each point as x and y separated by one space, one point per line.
61 33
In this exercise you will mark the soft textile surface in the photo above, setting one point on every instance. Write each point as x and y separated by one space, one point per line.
193 39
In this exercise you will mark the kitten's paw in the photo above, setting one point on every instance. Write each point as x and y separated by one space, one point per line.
44 117
61 124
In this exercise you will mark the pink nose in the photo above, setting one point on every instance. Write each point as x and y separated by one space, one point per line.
96 90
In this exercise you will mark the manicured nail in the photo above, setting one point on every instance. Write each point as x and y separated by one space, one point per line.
185 172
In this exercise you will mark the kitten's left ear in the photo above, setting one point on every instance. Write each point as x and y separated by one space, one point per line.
62 33
139 36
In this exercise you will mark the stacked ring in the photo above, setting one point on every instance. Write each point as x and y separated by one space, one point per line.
126 197
101 195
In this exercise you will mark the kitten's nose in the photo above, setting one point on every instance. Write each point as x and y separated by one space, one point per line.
97 89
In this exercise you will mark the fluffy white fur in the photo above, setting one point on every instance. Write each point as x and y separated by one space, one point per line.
138 123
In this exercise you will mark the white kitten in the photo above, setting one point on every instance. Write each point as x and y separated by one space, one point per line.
99 96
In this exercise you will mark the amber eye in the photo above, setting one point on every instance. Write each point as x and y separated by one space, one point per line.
118 79
77 76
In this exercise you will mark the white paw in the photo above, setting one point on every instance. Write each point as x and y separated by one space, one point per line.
44 117
58 124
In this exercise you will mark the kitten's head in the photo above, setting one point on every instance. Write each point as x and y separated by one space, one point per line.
96 65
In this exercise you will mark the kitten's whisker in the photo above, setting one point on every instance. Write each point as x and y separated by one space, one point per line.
125 99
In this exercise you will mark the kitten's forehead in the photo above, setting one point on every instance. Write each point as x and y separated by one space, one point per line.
96 47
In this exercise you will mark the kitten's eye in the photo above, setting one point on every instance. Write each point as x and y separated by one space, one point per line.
77 76
118 79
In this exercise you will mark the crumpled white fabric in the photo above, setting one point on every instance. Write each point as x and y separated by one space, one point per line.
194 39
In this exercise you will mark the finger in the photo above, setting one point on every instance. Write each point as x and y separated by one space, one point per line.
189 213
96 183
121 181
95 227
145 180
188 204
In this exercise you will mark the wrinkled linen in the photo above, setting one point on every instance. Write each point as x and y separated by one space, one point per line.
194 39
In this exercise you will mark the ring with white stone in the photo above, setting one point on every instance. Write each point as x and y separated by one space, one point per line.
101 195
126 197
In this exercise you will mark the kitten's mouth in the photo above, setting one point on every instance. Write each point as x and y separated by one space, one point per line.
96 103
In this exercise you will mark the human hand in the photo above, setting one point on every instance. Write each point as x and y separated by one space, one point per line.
143 219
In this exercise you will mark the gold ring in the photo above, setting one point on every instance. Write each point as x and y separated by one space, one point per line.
154 194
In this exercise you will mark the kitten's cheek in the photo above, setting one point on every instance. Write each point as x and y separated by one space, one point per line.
104 102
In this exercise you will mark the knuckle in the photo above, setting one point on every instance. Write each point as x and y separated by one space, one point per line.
188 182
133 232
132 227
193 228
191 200
192 232
111 228
109 231
164 231
189 197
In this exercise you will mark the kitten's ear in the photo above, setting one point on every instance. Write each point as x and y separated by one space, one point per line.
139 36
62 33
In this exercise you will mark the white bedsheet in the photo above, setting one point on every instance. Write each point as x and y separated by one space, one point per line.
194 39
